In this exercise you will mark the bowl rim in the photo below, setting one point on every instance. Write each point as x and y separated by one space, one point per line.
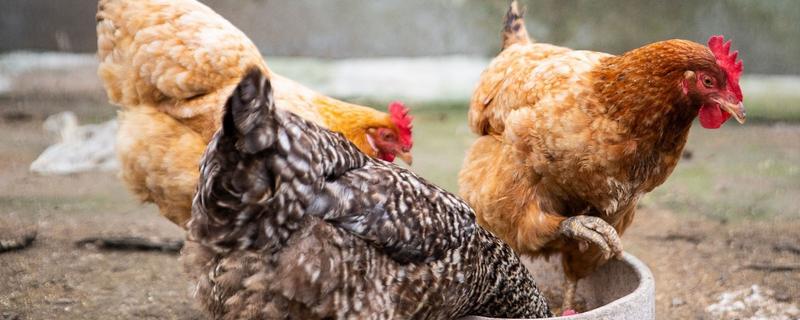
646 281
646 286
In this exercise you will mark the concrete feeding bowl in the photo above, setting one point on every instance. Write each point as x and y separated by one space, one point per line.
621 289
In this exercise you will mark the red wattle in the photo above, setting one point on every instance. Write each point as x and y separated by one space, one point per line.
386 156
712 117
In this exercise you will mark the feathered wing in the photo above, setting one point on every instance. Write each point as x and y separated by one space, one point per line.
288 166
183 57
402 216
152 52
159 160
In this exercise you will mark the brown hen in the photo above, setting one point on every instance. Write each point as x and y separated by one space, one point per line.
571 140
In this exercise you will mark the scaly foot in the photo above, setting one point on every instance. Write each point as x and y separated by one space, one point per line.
595 231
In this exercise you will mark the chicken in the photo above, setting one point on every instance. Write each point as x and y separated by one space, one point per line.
569 141
171 65
291 220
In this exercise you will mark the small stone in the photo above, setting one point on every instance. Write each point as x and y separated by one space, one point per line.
9 316
782 297
677 302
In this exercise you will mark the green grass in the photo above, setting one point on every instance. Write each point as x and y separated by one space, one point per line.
440 143
737 172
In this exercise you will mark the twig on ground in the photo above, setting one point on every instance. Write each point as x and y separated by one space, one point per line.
787 247
679 237
772 268
18 242
129 243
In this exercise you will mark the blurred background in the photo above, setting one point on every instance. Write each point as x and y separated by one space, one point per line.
721 235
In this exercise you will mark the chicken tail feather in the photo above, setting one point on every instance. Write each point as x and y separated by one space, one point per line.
251 108
514 30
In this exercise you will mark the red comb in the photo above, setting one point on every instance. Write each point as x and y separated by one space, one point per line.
727 61
402 120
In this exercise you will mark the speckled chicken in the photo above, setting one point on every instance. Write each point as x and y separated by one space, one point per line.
292 221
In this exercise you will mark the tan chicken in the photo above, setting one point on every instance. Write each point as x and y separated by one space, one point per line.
571 140
171 65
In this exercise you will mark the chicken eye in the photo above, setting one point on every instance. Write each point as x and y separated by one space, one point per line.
708 82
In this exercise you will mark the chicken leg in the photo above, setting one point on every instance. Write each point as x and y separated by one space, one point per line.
587 229
570 286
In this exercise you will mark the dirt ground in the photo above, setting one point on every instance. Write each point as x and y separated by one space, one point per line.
695 259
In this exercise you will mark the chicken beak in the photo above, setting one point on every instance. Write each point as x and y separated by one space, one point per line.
406 157
735 109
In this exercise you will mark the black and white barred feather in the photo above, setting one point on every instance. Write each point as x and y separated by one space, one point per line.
292 221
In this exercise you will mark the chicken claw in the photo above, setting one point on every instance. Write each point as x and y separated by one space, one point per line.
594 230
